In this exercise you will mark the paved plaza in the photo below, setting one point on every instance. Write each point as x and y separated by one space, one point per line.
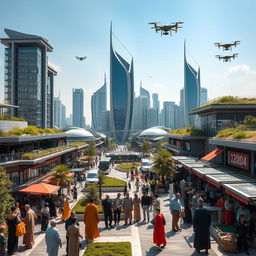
140 235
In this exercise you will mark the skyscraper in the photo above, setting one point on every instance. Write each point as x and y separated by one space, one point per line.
191 90
140 112
57 112
169 114
156 104
203 96
152 117
121 94
78 108
144 92
29 81
99 105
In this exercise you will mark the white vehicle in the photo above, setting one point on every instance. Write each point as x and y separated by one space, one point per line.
92 177
145 165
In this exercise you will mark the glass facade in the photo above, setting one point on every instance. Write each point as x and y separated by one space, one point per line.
78 108
121 95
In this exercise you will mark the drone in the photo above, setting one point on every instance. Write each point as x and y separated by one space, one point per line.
227 46
81 58
166 29
227 58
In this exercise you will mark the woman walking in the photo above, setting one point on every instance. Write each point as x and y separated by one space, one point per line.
45 216
136 208
12 221
159 232
73 235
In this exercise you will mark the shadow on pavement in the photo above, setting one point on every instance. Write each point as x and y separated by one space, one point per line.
170 234
142 223
153 251
150 226
185 226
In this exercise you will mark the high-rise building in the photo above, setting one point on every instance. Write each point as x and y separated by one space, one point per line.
63 122
203 96
29 81
105 122
156 104
169 114
144 92
191 91
78 108
99 105
121 94
140 112
57 112
152 117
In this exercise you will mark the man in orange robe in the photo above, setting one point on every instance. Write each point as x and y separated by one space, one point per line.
66 210
91 220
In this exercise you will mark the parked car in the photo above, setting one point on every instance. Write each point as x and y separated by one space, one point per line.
145 165
92 176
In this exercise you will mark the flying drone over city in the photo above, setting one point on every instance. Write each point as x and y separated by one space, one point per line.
227 46
166 29
227 58
81 58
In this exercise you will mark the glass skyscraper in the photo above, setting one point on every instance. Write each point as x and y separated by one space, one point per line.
121 95
29 82
191 91
144 92
99 105
78 108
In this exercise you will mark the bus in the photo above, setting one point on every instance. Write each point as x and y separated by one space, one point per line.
105 165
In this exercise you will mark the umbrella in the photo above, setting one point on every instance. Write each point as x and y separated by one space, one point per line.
40 189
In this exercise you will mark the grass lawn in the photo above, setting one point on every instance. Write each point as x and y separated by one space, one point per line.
128 166
109 249
80 205
110 182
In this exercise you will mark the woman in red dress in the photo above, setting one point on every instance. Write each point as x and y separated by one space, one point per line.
159 232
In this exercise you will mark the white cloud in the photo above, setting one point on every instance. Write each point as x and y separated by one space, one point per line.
54 66
241 70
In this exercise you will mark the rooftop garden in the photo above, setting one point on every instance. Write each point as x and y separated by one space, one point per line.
187 131
30 130
31 156
245 130
230 100
7 118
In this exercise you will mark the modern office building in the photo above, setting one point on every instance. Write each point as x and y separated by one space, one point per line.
203 96
105 122
156 102
169 114
78 108
29 81
191 90
99 105
140 112
57 112
152 117
63 123
144 92
121 94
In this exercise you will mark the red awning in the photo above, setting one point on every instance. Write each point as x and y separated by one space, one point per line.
212 154
241 199
40 189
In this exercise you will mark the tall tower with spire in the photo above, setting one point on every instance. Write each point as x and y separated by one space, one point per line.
121 94
191 91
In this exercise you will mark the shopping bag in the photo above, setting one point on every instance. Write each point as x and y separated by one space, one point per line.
20 229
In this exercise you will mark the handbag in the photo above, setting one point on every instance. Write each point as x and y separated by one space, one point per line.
20 229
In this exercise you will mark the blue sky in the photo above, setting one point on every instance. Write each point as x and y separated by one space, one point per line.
81 27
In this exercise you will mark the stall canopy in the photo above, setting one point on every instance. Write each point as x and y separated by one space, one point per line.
40 189
212 154
245 192
202 172
178 158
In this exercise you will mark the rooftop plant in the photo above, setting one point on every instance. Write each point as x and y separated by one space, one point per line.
8 118
187 131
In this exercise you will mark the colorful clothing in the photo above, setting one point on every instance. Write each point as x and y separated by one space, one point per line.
91 220
159 232
66 211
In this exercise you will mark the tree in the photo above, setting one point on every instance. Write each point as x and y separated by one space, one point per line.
6 199
90 152
61 176
92 194
146 147
163 164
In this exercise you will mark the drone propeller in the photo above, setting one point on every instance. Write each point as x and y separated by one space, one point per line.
152 23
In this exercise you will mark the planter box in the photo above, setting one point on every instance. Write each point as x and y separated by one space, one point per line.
80 216
107 189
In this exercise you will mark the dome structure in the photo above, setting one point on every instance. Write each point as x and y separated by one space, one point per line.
153 132
79 134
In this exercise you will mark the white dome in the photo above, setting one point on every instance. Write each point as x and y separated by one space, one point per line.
79 132
153 132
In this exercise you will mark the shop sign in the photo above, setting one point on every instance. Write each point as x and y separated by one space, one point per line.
238 159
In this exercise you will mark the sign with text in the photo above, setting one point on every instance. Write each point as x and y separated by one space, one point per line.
238 159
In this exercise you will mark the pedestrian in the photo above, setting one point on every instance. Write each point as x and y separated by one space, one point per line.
229 214
242 210
73 235
175 208
17 209
53 212
194 202
125 189
145 204
159 232
68 223
66 209
129 185
2 241
128 208
136 208
12 221
75 193
220 205
30 221
137 184
182 188
52 239
201 226
45 216
156 204
242 233
117 205
171 190
187 210
107 210
91 220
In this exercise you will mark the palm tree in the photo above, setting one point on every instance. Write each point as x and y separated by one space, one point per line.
91 152
163 164
146 147
61 176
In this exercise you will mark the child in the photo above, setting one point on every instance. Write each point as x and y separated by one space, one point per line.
2 241
242 232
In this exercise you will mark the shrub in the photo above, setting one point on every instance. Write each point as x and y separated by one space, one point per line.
33 130
188 131
239 135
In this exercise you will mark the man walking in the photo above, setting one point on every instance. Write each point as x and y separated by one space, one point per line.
175 208
128 208
117 204
107 209
194 203
68 223
52 239
201 225
145 204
